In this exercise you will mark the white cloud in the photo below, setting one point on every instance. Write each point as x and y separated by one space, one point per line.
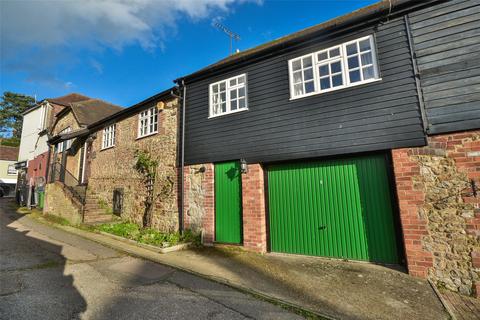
59 28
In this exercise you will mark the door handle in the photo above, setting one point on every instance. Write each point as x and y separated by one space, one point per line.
322 228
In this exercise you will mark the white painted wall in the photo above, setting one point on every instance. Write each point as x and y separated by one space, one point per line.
31 144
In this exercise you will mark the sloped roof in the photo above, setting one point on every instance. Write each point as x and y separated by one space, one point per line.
93 110
69 98
61 101
379 9
9 153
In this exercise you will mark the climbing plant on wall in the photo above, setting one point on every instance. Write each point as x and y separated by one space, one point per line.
147 167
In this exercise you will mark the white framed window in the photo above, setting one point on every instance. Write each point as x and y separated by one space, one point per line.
11 169
148 122
108 138
345 65
228 96
64 145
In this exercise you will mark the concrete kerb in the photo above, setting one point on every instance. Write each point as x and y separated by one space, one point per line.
150 255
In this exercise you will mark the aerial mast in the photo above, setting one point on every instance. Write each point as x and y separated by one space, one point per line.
232 35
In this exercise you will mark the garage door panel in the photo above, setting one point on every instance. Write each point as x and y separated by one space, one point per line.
336 208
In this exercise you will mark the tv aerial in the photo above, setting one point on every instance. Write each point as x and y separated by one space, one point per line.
232 35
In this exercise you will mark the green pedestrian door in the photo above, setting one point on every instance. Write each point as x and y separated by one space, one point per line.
335 208
228 202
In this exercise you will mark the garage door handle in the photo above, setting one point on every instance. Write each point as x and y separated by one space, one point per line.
322 228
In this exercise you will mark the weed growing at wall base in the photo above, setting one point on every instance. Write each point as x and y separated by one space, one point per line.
148 236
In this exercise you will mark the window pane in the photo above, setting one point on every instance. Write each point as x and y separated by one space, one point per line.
216 109
307 62
222 86
351 48
233 105
233 82
366 58
309 87
223 97
298 89
324 70
308 74
296 65
354 76
336 67
322 56
241 103
224 107
241 92
353 62
334 52
365 45
297 77
368 73
241 79
337 80
325 83
233 94
215 88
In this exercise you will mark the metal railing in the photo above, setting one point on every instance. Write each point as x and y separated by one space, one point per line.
61 174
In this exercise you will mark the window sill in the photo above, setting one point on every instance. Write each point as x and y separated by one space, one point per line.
102 149
147 135
336 89
228 113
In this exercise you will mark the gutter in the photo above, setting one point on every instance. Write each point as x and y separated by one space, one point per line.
363 16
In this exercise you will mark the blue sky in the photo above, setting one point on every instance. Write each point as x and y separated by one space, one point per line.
126 51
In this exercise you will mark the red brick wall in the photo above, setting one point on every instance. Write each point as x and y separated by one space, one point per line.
254 215
38 167
429 252
409 199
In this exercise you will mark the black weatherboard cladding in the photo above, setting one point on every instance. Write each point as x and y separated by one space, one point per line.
447 46
377 116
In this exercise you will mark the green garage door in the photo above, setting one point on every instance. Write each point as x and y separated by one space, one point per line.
335 208
228 202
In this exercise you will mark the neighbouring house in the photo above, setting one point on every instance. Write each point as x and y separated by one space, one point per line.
358 138
68 161
33 157
102 159
8 173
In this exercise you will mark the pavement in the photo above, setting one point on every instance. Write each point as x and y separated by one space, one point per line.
48 273
330 288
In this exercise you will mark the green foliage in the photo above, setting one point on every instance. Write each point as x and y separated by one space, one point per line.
145 164
11 108
11 142
148 236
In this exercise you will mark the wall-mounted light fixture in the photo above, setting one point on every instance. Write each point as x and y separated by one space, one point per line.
243 166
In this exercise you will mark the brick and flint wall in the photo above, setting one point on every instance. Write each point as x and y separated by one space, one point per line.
199 213
438 188
115 168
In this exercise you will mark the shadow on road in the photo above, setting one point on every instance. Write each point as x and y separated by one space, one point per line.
32 280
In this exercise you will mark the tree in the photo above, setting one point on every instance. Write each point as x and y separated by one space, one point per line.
11 108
